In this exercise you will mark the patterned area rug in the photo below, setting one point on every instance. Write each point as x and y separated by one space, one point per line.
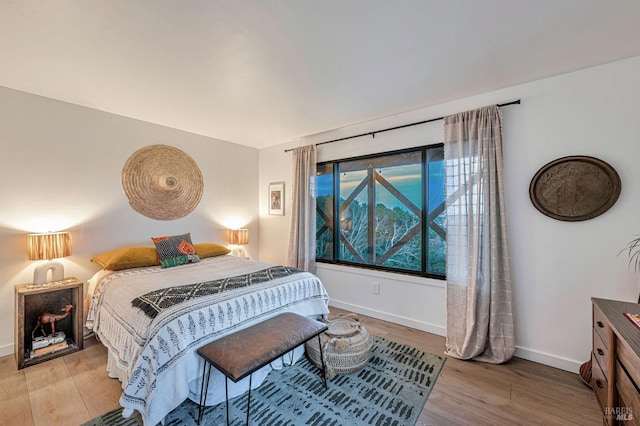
391 390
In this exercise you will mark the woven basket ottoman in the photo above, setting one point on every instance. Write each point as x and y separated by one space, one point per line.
346 346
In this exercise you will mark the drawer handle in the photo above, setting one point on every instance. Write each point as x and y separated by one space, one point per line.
600 324
599 384
600 352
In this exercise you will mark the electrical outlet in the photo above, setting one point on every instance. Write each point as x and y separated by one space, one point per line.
375 288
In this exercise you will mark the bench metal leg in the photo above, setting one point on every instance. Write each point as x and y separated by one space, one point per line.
226 394
284 363
204 389
249 399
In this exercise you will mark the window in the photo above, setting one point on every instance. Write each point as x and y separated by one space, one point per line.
389 210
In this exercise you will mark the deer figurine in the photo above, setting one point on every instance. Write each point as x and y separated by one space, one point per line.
49 318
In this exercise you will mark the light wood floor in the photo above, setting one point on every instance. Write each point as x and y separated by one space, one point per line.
75 388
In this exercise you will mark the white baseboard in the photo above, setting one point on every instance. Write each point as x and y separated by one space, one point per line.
529 354
396 319
551 360
7 350
521 352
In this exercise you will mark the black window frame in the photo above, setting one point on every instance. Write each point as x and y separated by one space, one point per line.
426 155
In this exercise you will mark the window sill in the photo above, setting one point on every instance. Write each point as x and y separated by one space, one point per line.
433 282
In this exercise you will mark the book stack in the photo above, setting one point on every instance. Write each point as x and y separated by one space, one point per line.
49 344
44 341
49 349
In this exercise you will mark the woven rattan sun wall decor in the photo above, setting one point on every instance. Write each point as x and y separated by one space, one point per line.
162 182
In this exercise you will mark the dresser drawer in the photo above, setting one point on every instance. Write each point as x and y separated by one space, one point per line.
601 325
631 363
601 353
628 410
599 382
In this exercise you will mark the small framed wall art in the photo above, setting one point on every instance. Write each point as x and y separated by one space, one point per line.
276 198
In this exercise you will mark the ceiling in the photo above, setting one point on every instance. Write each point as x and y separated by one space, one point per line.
265 72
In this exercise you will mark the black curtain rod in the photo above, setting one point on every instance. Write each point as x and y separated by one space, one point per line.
373 134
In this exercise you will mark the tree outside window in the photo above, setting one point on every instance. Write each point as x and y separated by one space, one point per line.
385 206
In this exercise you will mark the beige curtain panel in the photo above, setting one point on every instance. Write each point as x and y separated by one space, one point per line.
302 238
479 288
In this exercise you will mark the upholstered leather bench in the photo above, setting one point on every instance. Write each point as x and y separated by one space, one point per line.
240 354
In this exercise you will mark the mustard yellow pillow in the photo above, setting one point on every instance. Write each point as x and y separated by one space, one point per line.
127 257
210 250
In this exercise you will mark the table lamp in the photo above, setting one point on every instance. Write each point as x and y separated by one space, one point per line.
239 237
51 245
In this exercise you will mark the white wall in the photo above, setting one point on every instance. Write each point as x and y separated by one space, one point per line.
60 168
557 266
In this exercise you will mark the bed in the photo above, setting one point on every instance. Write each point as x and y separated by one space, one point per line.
152 320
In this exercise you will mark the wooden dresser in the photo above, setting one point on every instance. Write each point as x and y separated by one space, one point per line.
615 361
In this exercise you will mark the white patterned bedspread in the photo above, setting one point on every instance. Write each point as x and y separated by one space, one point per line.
155 358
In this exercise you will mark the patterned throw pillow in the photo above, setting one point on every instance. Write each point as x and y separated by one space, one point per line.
175 250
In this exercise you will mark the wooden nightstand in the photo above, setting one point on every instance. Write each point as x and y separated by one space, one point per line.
32 300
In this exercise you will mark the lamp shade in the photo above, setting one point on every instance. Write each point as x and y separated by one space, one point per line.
48 246
239 237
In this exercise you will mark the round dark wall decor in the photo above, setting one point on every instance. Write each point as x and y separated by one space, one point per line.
575 188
